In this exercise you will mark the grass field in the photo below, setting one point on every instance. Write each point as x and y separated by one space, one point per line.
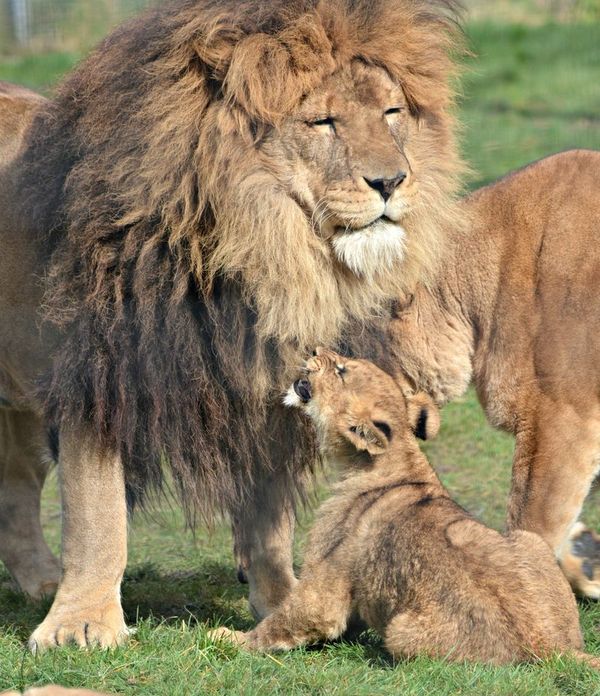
530 91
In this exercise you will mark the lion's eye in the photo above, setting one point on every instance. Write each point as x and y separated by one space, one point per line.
394 110
328 121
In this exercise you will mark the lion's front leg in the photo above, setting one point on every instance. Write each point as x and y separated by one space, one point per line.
87 607
263 534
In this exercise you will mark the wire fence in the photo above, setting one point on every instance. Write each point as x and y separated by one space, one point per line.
38 25
66 24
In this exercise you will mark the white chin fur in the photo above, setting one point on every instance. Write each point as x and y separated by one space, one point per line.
372 249
291 398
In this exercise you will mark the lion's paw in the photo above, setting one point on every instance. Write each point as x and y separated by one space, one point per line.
80 628
580 561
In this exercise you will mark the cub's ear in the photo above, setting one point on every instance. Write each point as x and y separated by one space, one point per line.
423 416
371 436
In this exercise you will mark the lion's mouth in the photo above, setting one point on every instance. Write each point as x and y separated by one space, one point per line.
382 219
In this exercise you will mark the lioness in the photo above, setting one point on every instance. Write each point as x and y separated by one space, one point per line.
515 307
22 435
392 546
17 105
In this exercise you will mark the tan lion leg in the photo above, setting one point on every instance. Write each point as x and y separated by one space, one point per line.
554 467
263 536
87 607
23 468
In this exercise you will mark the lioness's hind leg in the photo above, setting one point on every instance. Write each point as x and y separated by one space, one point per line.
23 466
555 463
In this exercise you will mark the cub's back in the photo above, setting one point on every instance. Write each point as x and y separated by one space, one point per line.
468 589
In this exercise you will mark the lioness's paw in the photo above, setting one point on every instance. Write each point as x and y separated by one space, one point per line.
580 561
84 631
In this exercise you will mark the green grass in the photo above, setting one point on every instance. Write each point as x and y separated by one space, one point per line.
530 91
39 72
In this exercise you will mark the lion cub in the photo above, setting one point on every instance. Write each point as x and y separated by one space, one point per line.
392 546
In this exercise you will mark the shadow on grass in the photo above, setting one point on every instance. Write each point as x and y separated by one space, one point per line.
209 595
18 613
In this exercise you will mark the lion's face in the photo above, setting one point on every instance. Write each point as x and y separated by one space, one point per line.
347 153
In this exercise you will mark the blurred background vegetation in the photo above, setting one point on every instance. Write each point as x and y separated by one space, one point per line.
76 24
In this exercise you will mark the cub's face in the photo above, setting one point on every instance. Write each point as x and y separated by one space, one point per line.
354 404
357 407
346 155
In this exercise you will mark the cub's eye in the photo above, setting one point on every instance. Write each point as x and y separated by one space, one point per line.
394 110
328 121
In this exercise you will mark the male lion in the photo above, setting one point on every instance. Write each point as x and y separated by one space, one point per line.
218 186
515 306
391 545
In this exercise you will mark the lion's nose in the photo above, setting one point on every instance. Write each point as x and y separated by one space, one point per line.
386 187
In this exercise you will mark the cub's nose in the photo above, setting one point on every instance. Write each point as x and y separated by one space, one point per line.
385 187
302 389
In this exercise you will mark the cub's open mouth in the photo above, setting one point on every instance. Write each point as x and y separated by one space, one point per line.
302 389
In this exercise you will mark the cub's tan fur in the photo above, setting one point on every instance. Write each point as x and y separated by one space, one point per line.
391 544
218 186
516 308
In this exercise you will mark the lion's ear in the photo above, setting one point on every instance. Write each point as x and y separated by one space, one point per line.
423 416
370 436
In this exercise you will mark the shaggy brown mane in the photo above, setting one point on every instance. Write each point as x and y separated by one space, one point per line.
184 281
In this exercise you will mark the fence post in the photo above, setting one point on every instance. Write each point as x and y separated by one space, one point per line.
7 36
20 17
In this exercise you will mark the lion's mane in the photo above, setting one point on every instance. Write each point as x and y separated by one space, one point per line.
184 281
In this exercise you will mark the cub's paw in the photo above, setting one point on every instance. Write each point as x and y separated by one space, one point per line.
105 629
580 561
227 635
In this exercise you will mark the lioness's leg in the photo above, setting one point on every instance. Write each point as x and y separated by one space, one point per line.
87 606
317 609
263 534
23 468
555 463
580 561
